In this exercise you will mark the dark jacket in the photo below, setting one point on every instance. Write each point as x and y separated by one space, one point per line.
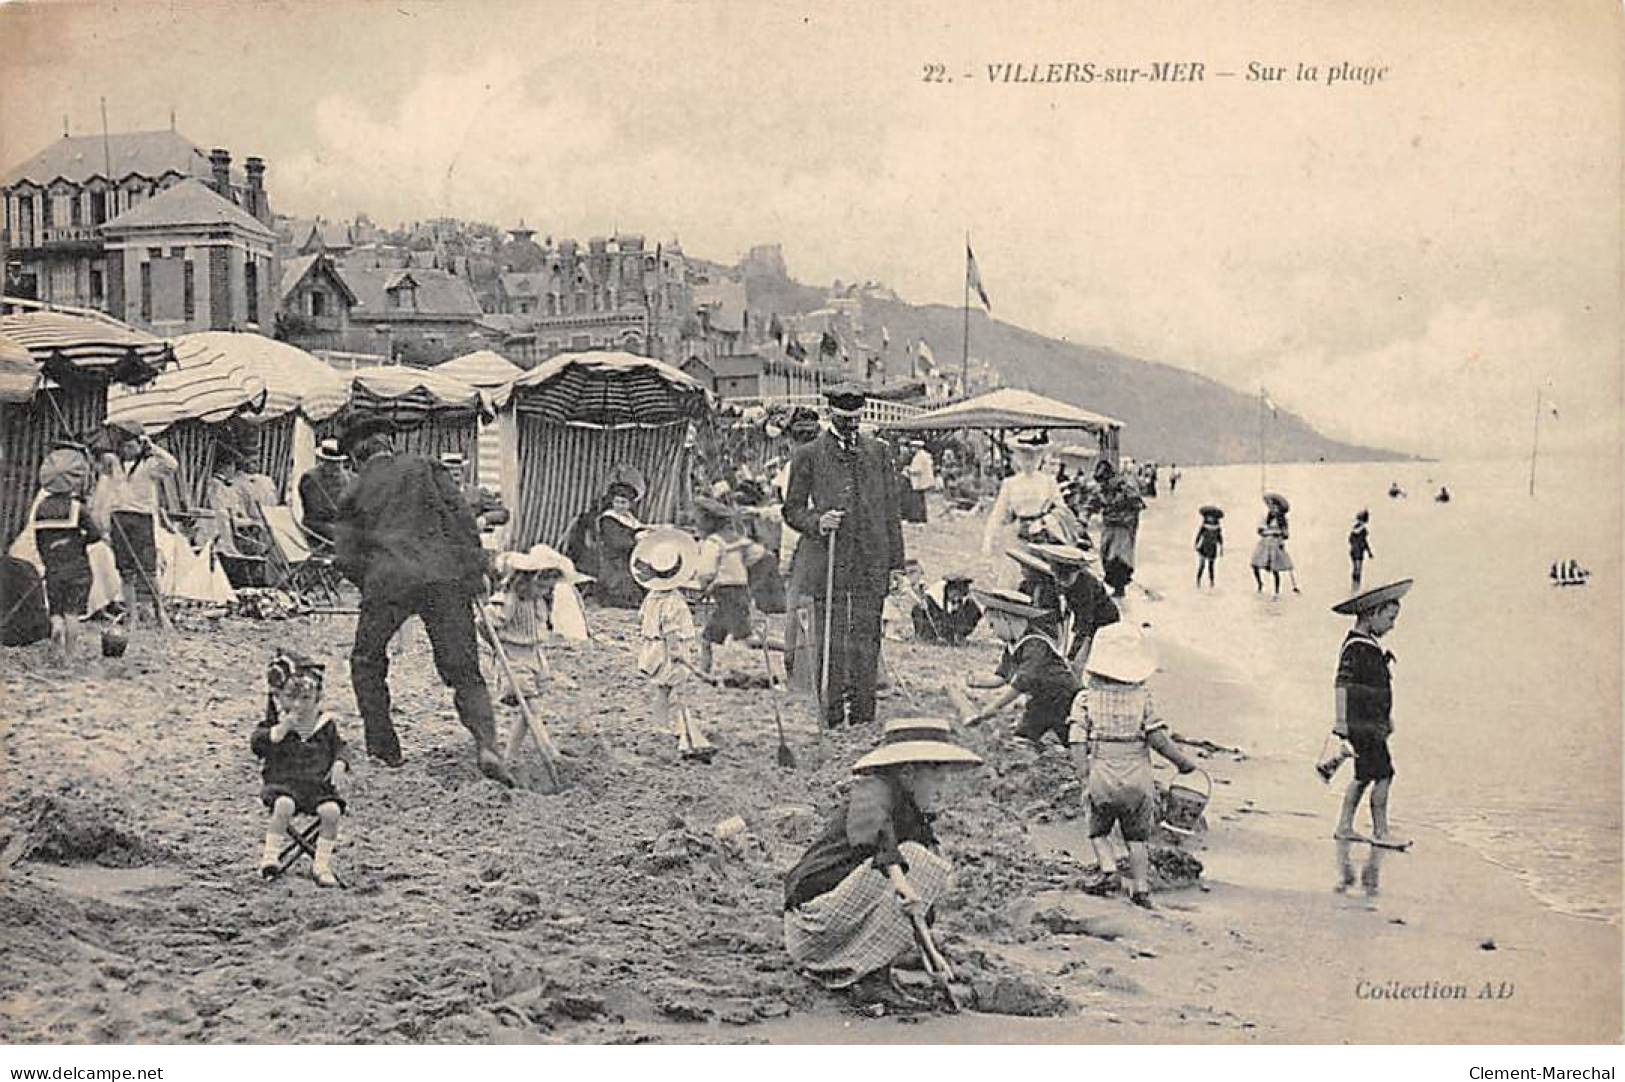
404 525
876 818
823 477
297 760
319 496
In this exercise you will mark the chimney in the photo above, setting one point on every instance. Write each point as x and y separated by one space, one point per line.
258 205
220 166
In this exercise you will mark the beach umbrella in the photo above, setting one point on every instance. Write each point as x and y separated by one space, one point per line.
87 343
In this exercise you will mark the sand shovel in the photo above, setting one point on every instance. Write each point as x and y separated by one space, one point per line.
538 728
787 758
935 964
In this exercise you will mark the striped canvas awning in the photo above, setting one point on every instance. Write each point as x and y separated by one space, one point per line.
609 390
86 344
19 372
220 374
485 369
405 392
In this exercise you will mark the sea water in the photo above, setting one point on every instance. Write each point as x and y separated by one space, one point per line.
1507 688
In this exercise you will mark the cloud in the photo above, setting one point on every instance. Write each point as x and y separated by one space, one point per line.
1465 385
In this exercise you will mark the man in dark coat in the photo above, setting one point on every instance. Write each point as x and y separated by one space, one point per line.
843 492
407 537
320 489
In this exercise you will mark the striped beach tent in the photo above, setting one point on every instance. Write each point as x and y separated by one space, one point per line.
492 373
222 381
432 413
55 368
571 421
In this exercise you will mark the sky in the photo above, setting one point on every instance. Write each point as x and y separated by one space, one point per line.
1402 263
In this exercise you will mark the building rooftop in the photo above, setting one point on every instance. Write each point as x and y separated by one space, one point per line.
189 203
439 292
153 154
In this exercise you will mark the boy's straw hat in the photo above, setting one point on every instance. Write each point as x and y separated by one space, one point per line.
663 559
328 451
1065 555
1013 602
916 740
1028 558
1121 653
1374 598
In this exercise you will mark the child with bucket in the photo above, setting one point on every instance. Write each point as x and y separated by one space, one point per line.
662 562
1112 738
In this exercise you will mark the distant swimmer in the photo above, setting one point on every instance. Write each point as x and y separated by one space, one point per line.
1395 492
1443 496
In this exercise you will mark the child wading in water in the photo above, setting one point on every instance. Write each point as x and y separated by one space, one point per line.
1270 554
1112 737
1209 542
725 559
1364 703
305 759
1359 548
663 561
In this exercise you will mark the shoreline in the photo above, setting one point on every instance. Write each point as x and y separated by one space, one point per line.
612 913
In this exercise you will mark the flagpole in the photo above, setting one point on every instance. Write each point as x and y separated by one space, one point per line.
1261 457
964 353
1534 446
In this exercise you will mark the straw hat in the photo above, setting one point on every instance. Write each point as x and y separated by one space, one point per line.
1066 555
1028 558
664 558
1208 510
631 477
542 558
1120 653
916 740
1374 598
1037 440
1278 500
1014 602
328 451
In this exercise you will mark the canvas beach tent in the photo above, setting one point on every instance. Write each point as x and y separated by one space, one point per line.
223 379
432 413
1009 408
573 420
492 373
56 368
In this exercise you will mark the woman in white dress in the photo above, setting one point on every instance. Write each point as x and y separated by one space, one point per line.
1029 507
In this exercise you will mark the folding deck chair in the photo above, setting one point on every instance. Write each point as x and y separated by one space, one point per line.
297 565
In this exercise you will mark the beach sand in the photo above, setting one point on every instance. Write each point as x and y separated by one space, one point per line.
612 912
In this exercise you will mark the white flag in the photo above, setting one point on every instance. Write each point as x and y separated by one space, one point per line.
1269 403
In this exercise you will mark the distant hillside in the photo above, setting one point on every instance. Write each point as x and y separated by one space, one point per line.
1169 414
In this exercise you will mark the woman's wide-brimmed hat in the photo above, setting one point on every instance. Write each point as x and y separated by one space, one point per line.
1014 602
1208 510
1120 653
543 559
328 451
631 477
1036 440
916 740
1374 598
1278 500
664 558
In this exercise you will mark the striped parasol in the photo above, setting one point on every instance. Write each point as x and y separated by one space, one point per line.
410 394
86 344
220 374
609 390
